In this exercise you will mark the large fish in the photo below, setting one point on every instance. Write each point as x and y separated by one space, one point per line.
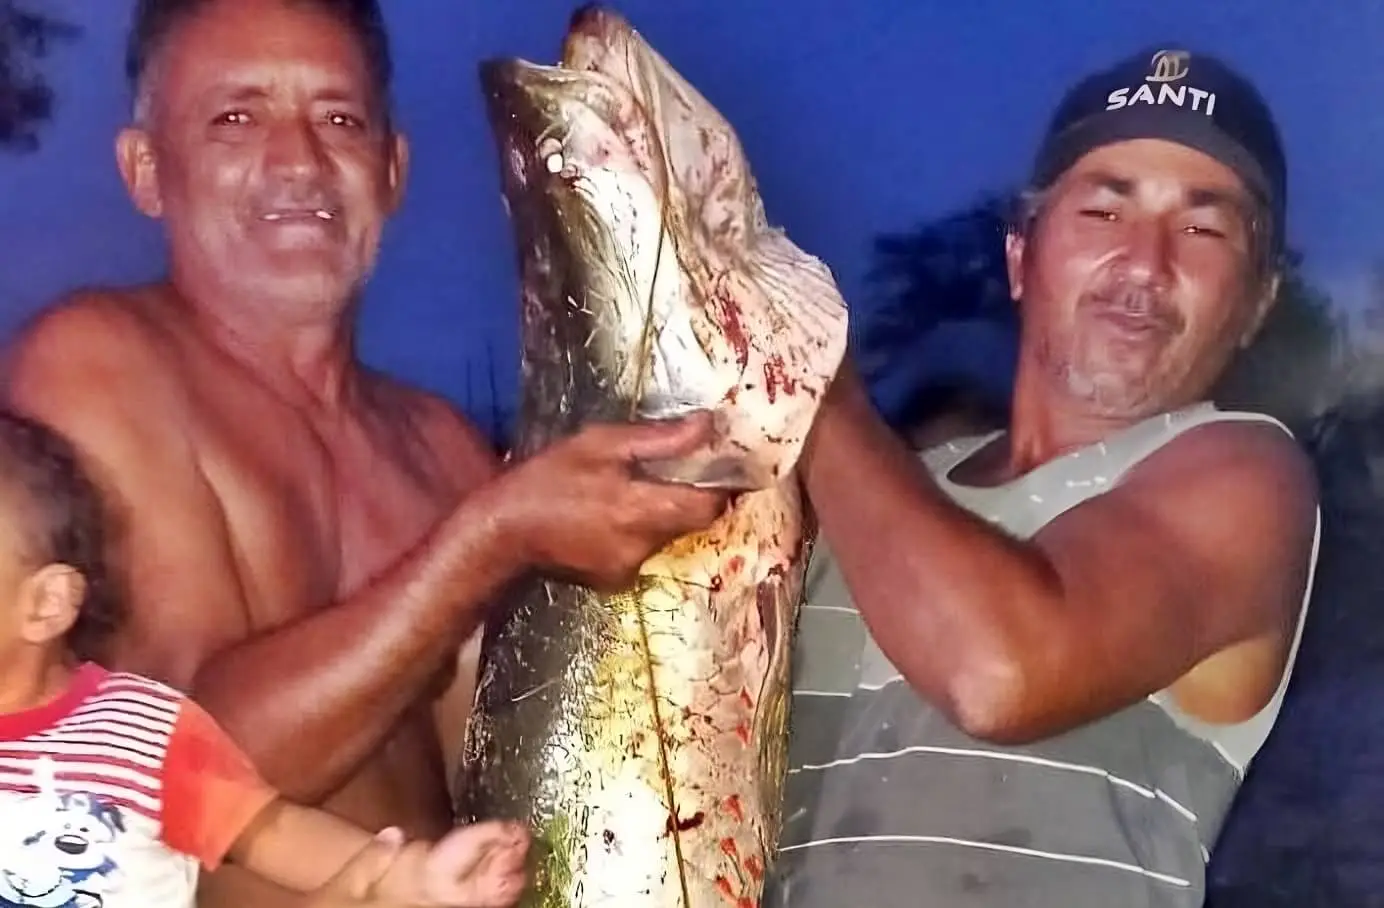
643 733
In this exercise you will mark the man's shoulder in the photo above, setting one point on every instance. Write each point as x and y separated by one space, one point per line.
1235 484
95 367
1257 450
88 334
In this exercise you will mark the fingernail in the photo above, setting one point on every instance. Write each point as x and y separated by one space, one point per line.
390 835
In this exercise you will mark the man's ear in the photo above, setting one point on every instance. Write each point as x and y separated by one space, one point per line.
134 155
1014 243
1268 295
51 600
398 170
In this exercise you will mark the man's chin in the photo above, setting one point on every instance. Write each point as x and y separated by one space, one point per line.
314 292
1122 394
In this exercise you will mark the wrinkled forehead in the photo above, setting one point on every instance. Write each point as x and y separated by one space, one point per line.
1162 173
247 47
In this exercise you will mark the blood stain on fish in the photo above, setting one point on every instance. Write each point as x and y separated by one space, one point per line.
776 378
686 825
727 313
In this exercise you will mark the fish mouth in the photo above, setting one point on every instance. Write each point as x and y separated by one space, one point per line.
590 18
593 33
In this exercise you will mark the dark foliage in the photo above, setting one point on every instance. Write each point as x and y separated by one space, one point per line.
1306 829
26 100
946 272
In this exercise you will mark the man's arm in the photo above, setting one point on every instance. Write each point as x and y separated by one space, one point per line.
91 372
377 653
457 447
1202 550
310 722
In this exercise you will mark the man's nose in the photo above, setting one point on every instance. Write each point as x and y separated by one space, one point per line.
1148 250
295 149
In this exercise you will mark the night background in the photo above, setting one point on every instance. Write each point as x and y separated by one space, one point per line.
860 120
885 137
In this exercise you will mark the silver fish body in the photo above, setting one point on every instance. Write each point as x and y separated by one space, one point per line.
643 733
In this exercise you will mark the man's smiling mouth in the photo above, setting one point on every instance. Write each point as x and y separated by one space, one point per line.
298 214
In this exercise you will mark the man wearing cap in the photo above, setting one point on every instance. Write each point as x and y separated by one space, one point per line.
1032 673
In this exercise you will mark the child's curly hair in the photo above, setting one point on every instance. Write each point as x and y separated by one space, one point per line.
66 520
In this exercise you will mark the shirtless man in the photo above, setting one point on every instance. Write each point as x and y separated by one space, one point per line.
309 542
1040 662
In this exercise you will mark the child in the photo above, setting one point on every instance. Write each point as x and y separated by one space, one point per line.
115 788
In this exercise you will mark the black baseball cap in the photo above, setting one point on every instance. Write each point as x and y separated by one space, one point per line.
1179 96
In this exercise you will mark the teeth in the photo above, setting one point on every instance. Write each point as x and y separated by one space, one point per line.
320 213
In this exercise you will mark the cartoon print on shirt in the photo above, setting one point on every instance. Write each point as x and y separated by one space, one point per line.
56 847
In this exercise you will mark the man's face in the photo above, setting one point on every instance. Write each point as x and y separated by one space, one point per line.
1135 277
267 155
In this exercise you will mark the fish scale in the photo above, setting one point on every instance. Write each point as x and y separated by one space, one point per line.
643 733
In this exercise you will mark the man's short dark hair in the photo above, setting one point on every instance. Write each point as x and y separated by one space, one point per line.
155 20
63 519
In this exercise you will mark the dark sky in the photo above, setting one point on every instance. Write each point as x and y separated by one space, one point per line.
857 118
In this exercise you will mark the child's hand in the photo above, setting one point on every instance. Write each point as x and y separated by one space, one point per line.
479 866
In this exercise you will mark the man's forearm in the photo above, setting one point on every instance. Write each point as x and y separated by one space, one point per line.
309 702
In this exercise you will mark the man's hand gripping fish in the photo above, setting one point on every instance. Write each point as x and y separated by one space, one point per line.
643 733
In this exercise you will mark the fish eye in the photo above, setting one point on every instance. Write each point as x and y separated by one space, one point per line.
550 151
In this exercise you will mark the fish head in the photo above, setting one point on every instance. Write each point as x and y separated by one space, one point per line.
636 214
584 216
553 132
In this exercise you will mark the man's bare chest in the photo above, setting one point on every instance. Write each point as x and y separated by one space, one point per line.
312 520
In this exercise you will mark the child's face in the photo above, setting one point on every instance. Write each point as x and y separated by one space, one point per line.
38 601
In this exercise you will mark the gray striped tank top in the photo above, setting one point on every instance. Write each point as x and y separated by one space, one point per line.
888 805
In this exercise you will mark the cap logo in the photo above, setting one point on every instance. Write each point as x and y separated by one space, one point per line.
1168 66
1164 85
